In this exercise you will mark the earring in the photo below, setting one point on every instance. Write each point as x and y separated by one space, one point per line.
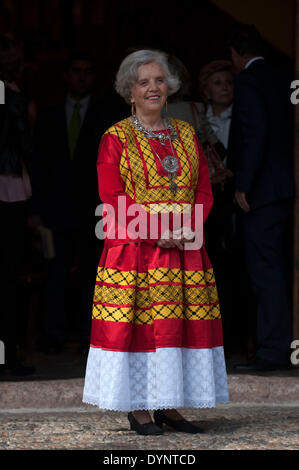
133 108
166 106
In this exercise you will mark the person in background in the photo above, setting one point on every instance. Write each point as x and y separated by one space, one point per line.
262 160
15 192
65 197
180 106
216 86
210 118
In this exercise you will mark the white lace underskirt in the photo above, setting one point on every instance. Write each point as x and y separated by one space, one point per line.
166 378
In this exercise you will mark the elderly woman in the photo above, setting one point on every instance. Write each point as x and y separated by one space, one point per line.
214 114
156 340
216 86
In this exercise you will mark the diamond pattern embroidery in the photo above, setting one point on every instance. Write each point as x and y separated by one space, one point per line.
160 293
132 170
167 378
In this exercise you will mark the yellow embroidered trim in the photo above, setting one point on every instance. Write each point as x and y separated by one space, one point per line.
128 296
144 187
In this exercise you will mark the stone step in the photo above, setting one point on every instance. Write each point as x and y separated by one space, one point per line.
265 388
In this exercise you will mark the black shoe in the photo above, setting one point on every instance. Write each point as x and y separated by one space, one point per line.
261 365
146 429
180 425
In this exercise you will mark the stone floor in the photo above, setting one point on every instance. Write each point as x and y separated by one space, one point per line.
71 364
44 412
227 427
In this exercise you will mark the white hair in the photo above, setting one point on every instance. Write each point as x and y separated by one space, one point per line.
127 74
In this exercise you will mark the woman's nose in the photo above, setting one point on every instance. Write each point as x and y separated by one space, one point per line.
153 85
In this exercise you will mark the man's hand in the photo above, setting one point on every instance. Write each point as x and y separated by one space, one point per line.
12 85
242 201
221 175
34 222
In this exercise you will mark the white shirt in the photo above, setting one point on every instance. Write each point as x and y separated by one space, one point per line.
220 124
253 60
69 108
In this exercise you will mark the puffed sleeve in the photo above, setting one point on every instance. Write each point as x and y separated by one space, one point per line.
112 191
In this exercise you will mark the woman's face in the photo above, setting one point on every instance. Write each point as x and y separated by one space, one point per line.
150 91
219 89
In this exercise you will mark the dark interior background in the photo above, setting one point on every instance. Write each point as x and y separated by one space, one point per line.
195 31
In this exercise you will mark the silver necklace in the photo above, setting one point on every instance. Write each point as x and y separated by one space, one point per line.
160 136
170 162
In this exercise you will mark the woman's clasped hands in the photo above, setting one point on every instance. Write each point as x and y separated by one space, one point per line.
176 238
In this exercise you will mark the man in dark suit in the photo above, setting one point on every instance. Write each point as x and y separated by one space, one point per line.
65 196
262 160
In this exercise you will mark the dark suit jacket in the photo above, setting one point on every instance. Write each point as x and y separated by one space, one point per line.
261 142
65 191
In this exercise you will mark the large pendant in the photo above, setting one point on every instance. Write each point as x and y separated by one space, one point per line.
173 186
170 164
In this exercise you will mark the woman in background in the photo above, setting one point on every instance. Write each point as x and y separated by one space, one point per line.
224 242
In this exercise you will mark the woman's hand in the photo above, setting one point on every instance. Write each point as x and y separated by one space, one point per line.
167 240
176 239
166 243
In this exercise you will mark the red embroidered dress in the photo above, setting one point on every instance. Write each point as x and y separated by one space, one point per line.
156 338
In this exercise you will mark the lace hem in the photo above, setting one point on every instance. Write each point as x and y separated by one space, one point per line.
167 378
91 400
